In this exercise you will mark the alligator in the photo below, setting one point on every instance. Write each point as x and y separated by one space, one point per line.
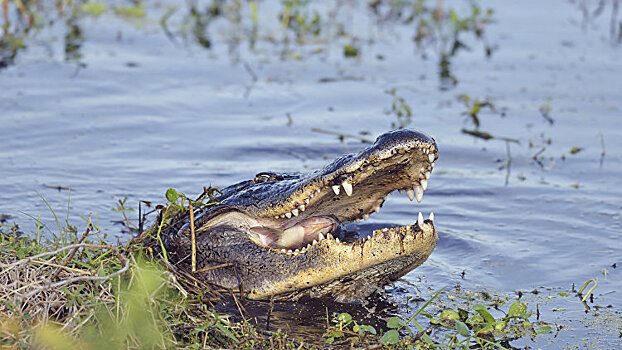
280 235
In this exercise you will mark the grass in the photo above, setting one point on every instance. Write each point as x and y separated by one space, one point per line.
75 290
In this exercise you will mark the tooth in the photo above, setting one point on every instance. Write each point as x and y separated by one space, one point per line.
431 217
432 165
302 207
329 236
288 215
317 191
295 212
314 242
420 220
297 251
337 240
365 216
424 184
320 236
357 220
411 194
336 189
418 193
306 200
347 187
283 251
312 194
377 209
431 157
282 216
289 251
401 191
386 229
276 216
427 175
426 151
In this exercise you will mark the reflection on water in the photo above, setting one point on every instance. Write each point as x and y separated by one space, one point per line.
181 97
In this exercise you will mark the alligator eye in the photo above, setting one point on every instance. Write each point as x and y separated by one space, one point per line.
264 177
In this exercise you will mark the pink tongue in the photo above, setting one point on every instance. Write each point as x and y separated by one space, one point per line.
294 237
266 236
316 225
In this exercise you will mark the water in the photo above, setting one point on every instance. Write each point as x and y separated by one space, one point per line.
146 113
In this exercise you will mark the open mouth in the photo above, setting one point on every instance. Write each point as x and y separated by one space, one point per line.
303 211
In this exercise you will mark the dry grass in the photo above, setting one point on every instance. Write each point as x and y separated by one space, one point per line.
99 296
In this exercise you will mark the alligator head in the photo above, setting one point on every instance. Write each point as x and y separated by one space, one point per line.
279 234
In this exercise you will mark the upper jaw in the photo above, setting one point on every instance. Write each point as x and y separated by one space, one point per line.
352 187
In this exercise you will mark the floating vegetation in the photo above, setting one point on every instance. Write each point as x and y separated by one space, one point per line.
590 14
401 110
439 27
545 111
304 29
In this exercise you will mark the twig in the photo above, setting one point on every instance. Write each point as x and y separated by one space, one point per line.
342 135
125 261
193 238
439 10
23 11
327 323
128 223
237 303
487 136
535 156
163 215
89 227
58 187
270 312
54 252
213 267
5 12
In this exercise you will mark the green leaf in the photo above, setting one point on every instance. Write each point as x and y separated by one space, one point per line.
394 322
335 334
136 11
171 195
518 310
449 314
483 311
93 8
485 329
543 330
364 329
350 51
344 317
462 328
390 337
227 332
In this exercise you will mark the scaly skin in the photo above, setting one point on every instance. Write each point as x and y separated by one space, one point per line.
280 232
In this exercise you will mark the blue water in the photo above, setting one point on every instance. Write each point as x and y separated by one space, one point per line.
146 113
